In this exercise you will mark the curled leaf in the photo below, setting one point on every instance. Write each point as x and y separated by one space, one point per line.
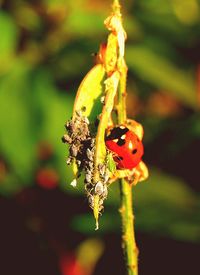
111 90
90 89
111 54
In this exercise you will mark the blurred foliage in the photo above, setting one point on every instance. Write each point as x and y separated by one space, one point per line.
47 47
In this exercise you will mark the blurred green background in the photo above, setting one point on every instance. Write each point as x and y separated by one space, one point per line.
46 48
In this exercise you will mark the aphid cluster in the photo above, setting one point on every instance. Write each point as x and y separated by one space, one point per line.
82 150
79 138
99 188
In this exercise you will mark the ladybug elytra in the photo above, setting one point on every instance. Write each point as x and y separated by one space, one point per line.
127 148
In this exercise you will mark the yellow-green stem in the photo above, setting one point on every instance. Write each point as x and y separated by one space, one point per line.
128 235
126 210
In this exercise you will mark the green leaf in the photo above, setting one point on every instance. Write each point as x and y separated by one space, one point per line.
8 42
17 143
82 22
165 189
50 109
90 92
163 74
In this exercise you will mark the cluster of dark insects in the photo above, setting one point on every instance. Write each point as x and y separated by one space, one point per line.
81 153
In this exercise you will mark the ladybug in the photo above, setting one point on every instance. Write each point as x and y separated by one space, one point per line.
127 148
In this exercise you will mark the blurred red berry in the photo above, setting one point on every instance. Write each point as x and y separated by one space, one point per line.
47 178
70 266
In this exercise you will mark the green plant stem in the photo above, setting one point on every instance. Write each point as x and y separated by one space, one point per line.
128 236
126 209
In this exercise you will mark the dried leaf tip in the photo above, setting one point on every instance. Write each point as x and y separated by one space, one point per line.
116 7
96 211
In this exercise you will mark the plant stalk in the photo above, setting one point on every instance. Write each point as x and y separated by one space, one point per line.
126 209
128 235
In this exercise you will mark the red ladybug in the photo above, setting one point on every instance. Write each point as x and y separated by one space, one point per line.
126 146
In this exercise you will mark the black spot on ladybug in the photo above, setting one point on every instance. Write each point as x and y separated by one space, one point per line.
117 133
120 158
134 151
121 142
